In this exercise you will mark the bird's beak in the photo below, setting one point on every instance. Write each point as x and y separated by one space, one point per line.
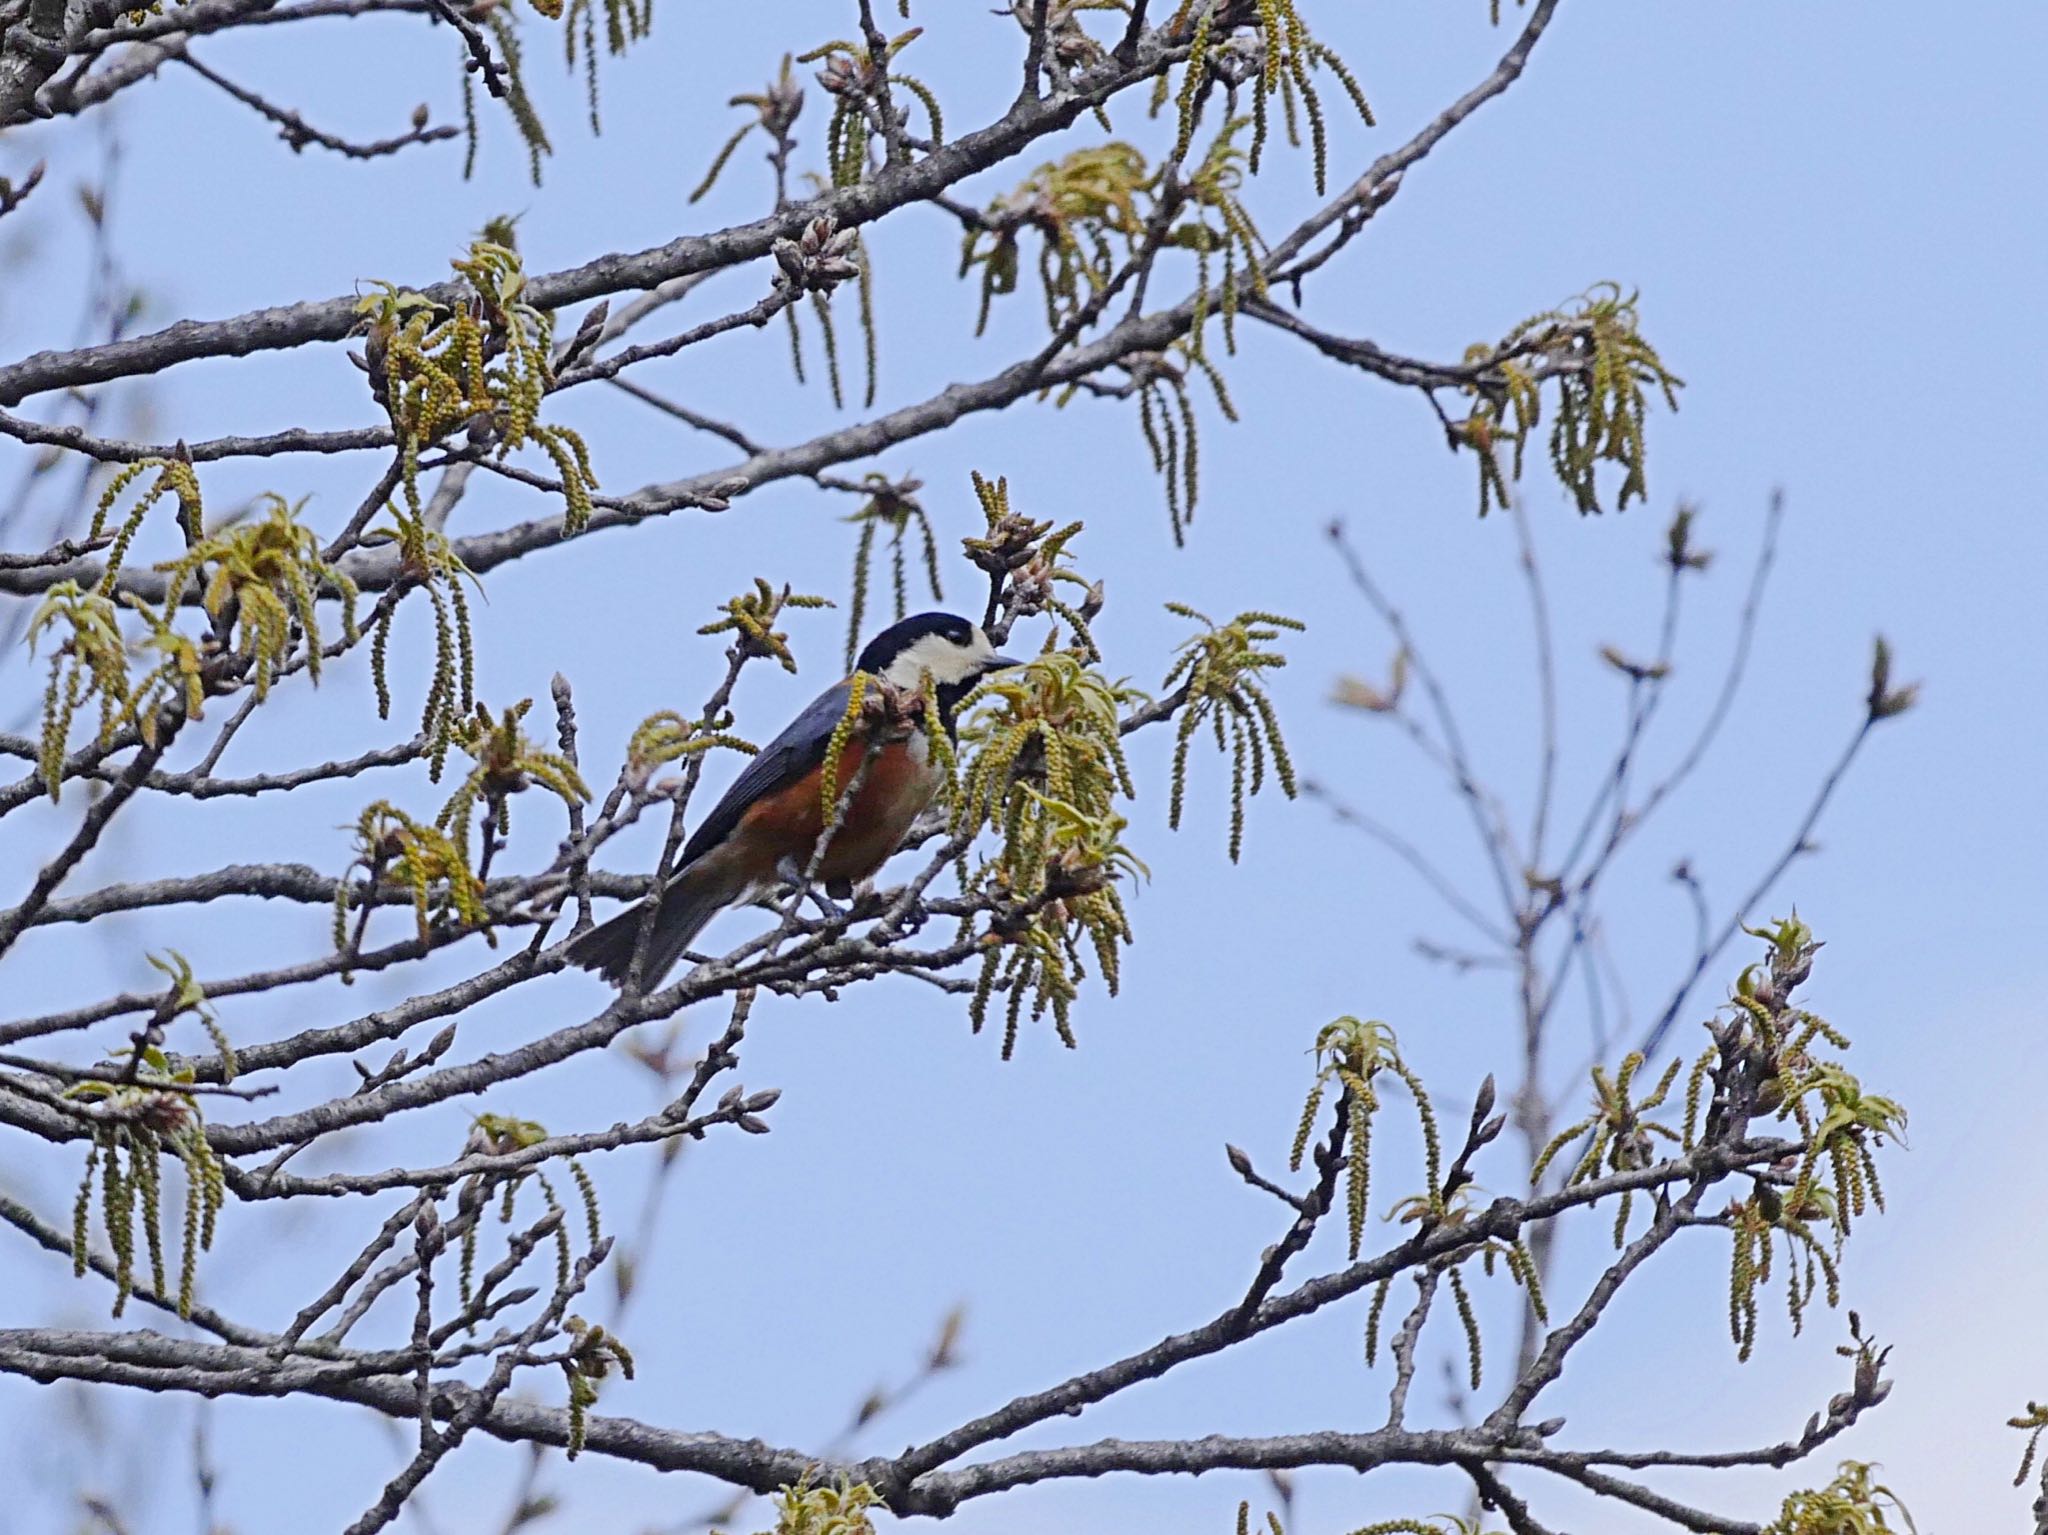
1000 663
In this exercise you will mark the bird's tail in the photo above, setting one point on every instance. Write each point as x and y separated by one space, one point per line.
692 899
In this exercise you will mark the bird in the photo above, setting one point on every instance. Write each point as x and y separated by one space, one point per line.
763 833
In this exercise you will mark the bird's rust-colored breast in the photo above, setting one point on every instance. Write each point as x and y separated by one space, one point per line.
897 786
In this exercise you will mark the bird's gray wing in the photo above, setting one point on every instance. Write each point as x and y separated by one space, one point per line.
800 748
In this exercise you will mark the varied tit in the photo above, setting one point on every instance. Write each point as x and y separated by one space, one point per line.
765 830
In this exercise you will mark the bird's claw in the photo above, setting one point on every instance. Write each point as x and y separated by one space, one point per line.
792 876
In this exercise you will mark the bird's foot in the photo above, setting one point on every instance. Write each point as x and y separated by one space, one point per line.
792 877
865 900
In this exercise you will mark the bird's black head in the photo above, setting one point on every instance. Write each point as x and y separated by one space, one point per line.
952 649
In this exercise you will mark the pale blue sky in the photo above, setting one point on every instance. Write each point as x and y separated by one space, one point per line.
1832 213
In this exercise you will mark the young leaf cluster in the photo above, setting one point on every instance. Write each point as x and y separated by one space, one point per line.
1089 210
1842 1124
186 995
266 575
483 365
841 1509
1884 700
1809 1265
1220 669
1350 1054
594 1354
1044 768
1854 1503
1099 207
260 584
92 662
665 737
750 617
1027 563
1605 371
1620 1136
2033 1422
136 1123
1765 1061
425 861
507 763
1099 211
